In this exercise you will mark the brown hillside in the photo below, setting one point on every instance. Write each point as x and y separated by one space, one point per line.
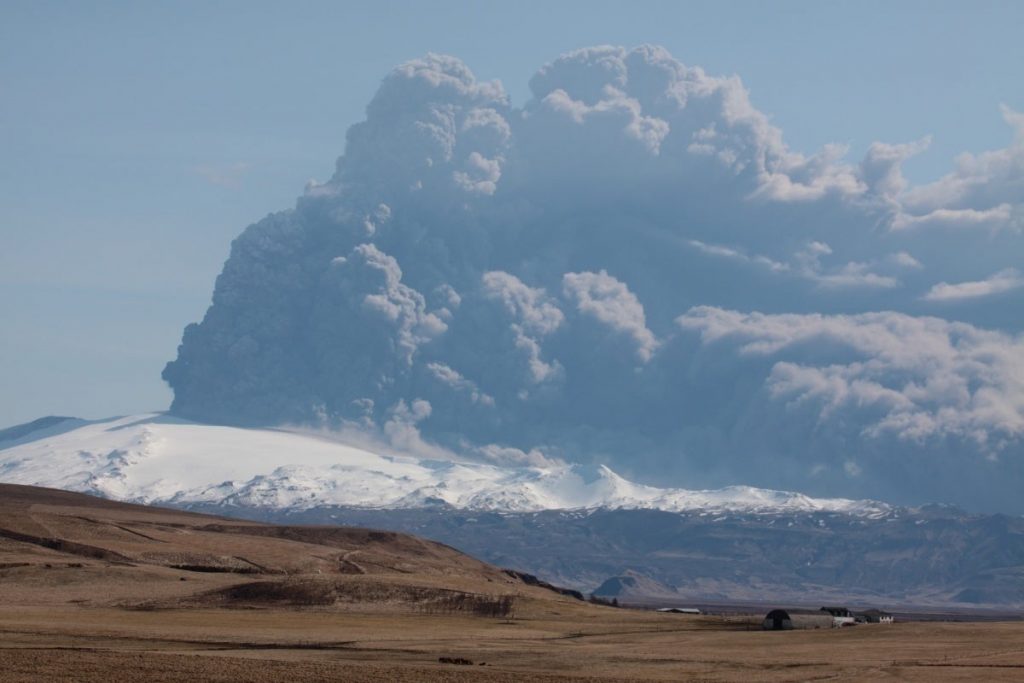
61 547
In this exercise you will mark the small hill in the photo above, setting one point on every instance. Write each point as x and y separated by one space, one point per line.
632 586
63 547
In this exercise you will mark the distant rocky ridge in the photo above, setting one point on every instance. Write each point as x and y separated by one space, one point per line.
931 556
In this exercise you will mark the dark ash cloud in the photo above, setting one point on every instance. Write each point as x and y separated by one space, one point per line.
633 267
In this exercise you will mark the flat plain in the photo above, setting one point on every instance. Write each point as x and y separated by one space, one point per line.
580 644
97 591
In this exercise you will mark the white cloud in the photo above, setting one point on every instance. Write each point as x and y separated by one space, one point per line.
455 380
983 192
998 283
737 255
534 313
480 174
401 305
882 170
807 263
995 218
904 260
800 179
515 457
432 130
401 432
918 378
533 308
609 301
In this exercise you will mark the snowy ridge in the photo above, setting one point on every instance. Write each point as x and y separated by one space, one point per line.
156 458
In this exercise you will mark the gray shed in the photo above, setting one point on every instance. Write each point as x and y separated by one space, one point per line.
789 619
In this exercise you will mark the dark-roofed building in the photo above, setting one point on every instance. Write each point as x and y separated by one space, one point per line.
841 616
789 619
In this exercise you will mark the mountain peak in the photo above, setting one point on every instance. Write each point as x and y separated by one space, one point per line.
153 458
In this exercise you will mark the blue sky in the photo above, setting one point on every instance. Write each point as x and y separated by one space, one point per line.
139 139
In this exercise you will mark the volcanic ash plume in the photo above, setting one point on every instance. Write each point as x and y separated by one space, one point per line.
633 268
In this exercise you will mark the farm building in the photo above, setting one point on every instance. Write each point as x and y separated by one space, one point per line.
789 619
874 616
841 616
680 610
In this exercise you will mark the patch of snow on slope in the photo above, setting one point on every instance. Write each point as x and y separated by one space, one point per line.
156 458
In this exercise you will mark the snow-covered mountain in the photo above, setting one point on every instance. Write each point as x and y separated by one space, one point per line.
574 525
157 458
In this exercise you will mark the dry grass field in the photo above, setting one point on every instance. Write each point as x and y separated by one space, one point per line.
97 591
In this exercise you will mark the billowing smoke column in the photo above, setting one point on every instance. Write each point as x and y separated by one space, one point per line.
634 268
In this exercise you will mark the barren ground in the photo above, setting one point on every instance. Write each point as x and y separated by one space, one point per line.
96 591
102 644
